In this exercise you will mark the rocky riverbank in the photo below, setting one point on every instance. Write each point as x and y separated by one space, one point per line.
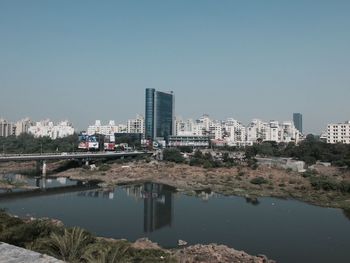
240 181
40 235
326 186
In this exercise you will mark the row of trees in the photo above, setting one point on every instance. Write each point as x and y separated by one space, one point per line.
26 143
310 150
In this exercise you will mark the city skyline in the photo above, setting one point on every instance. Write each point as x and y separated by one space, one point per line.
84 61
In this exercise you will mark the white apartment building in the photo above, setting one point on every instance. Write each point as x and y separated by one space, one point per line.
107 130
234 133
289 133
338 133
256 130
188 127
7 128
136 125
272 131
49 129
215 130
23 126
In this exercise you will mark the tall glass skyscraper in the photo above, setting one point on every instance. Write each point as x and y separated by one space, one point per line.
298 121
159 114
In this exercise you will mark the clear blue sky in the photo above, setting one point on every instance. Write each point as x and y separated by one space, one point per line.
87 60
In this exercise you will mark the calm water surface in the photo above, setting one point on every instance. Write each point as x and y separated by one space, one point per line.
39 182
284 230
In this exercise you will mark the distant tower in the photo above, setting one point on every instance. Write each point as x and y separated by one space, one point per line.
298 121
159 114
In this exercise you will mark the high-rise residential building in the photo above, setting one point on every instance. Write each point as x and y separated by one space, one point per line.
159 114
7 128
136 125
298 121
22 126
338 133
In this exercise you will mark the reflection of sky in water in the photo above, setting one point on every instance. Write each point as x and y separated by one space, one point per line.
285 230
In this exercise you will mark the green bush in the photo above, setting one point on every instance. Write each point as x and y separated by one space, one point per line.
329 184
207 164
73 245
104 167
259 180
241 173
173 155
24 233
186 149
196 162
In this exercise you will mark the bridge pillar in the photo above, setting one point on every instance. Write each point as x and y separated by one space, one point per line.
44 168
38 167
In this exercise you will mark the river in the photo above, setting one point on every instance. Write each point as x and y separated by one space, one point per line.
284 230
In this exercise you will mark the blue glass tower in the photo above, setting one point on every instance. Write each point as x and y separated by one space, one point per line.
298 121
159 114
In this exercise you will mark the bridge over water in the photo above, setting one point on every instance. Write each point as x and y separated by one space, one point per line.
84 156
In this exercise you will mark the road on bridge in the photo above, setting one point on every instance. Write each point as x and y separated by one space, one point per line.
70 156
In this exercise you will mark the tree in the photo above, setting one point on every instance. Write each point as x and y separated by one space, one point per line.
173 155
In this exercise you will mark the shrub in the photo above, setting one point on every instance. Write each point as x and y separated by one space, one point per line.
259 180
241 173
186 149
329 184
196 162
324 183
24 233
173 155
207 165
308 173
68 246
104 167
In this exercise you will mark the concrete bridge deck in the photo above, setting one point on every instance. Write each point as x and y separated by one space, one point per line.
69 156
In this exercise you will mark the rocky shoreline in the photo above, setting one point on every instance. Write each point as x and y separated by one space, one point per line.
199 253
210 253
239 181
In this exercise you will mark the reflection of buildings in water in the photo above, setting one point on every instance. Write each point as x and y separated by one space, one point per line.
158 206
135 191
62 180
108 194
205 196
13 178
